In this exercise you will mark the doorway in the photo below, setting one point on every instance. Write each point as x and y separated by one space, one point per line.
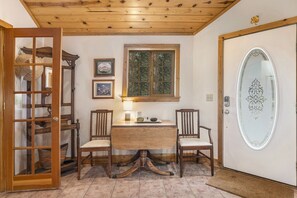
259 104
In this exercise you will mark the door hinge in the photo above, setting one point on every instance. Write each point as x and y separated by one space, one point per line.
3 105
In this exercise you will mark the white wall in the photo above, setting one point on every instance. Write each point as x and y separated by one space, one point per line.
205 56
91 47
14 13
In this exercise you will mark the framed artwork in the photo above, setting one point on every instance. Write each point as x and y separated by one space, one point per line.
103 89
103 67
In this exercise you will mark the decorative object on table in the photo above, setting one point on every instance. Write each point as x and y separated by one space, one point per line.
140 119
154 119
128 106
103 67
103 89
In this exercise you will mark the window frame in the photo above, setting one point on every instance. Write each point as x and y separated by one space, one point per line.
176 80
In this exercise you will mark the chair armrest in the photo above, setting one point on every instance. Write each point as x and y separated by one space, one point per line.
209 131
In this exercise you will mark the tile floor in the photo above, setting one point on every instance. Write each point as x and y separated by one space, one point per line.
142 184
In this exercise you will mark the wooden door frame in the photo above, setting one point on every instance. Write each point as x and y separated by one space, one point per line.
222 38
3 25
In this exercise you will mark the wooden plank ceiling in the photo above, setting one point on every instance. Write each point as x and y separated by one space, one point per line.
139 17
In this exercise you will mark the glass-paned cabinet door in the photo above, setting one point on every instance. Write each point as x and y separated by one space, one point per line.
33 125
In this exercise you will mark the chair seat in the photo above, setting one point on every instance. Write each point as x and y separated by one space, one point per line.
96 143
193 142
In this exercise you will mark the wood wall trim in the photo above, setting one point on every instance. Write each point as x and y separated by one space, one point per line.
2 178
222 38
4 24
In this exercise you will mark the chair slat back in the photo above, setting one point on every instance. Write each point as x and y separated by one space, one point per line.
188 122
100 123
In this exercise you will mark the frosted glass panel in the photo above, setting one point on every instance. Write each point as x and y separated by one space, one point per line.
257 99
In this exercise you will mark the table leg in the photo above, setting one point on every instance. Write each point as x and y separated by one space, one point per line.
133 159
128 172
141 162
154 169
156 160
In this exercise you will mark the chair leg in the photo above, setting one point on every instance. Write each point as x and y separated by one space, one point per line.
78 164
176 154
211 161
181 163
197 157
110 162
91 155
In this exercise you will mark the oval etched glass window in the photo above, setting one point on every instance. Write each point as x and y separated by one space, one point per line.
257 99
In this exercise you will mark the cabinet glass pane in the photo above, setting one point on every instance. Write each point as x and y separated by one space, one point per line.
19 54
43 133
43 105
22 106
22 134
23 76
43 161
44 42
22 163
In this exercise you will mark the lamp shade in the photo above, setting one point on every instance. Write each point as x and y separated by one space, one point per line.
128 105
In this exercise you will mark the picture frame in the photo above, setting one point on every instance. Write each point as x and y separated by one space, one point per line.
103 89
104 67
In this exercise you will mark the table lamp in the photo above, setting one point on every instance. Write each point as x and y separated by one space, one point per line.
128 104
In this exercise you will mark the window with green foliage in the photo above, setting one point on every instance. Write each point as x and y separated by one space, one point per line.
151 72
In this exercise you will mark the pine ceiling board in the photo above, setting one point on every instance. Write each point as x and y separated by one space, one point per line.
38 11
118 18
134 3
123 25
94 31
172 17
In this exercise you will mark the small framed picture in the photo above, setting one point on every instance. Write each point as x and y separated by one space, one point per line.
103 89
104 67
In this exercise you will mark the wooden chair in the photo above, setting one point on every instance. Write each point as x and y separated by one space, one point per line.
188 124
100 127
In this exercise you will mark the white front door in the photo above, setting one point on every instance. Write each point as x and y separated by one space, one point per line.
260 107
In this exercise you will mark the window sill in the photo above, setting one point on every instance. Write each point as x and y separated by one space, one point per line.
153 99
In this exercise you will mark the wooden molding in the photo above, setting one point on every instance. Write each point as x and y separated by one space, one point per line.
4 24
2 143
222 38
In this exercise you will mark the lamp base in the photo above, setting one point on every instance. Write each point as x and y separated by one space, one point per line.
127 117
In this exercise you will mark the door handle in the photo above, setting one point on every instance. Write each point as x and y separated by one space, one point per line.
227 101
226 111
56 119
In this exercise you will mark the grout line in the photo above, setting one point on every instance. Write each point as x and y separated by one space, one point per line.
113 187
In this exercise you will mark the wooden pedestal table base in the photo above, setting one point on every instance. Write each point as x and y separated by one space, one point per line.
137 155
141 162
